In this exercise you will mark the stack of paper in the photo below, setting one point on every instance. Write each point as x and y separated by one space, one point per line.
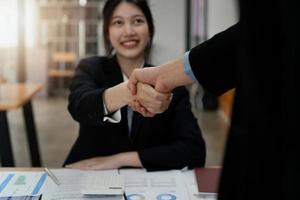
74 184
21 185
142 185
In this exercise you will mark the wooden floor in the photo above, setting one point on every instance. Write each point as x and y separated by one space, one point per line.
57 132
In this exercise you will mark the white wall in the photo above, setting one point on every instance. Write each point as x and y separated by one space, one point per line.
221 15
169 21
36 70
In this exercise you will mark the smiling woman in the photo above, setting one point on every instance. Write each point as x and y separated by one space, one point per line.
111 135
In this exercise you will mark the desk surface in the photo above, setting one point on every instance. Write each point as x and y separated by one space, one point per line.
13 96
189 180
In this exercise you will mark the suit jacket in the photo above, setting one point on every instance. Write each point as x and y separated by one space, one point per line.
260 57
167 141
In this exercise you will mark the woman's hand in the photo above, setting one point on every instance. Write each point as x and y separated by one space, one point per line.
108 162
96 163
149 102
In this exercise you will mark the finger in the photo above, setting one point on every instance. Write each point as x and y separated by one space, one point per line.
91 167
130 105
147 113
138 106
85 168
132 82
131 85
162 96
166 104
75 166
152 100
143 111
149 91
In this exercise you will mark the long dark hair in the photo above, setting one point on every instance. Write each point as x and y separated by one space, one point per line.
107 13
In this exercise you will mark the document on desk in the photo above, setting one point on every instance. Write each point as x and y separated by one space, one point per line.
18 185
71 184
142 185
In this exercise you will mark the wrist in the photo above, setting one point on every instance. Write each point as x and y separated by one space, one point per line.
116 97
125 93
128 159
121 159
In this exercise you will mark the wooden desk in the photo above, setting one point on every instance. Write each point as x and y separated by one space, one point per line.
226 101
13 96
61 73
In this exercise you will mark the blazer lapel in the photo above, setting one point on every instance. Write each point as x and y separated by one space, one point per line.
113 71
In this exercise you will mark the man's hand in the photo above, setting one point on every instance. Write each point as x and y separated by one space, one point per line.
145 75
149 102
163 78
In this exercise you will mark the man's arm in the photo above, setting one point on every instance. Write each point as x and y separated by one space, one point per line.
163 78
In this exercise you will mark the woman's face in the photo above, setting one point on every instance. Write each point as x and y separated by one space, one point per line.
128 31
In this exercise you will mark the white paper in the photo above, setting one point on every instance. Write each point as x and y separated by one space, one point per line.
163 185
71 183
18 184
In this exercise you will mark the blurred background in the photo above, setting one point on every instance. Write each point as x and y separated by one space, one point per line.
41 42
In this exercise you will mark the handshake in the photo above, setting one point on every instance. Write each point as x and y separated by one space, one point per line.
148 90
147 101
151 87
147 97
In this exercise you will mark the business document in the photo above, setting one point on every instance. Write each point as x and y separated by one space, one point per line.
143 185
17 185
71 184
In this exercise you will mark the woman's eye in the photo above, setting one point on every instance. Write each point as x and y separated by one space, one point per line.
117 22
138 21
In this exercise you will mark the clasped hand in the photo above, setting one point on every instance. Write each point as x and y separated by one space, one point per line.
161 80
148 101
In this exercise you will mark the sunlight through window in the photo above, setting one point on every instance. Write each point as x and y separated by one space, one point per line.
8 23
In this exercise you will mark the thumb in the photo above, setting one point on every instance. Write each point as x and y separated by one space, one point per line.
162 86
132 82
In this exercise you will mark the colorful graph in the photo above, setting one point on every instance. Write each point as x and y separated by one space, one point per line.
166 197
136 197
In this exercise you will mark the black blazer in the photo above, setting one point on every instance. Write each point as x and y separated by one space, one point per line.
260 57
171 140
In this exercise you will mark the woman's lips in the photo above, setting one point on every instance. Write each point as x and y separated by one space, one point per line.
130 43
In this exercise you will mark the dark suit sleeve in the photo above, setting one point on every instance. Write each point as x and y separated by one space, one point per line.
186 146
85 99
214 61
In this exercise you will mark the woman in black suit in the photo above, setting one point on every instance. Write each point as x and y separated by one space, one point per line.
112 135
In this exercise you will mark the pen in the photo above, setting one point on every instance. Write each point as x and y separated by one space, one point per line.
52 176
125 197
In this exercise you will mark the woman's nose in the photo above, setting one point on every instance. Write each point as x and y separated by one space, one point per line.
129 29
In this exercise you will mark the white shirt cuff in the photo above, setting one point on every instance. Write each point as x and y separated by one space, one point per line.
187 66
114 118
